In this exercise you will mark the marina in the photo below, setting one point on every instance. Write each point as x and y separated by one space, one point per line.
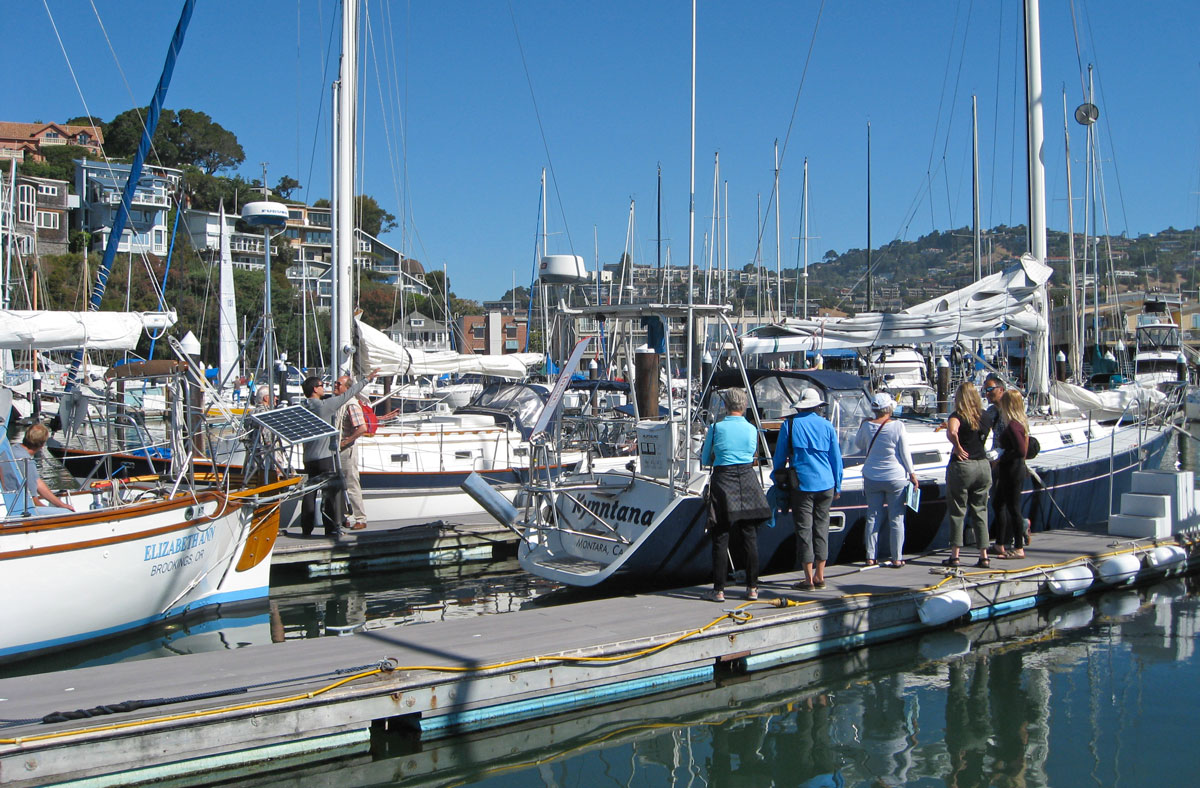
394 535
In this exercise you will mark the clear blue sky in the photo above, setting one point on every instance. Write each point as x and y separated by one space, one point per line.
611 85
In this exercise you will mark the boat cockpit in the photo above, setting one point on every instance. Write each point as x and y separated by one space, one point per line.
516 405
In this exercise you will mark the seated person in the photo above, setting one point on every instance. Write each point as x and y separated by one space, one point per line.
25 493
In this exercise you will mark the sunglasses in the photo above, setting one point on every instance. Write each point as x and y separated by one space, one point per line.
990 389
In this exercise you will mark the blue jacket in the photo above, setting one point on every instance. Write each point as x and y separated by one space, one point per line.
810 443
731 441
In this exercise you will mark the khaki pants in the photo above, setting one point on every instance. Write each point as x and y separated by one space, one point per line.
349 460
967 485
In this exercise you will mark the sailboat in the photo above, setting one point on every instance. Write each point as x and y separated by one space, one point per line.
646 524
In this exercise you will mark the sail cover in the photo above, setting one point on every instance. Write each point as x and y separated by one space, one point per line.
227 314
25 329
1003 304
394 359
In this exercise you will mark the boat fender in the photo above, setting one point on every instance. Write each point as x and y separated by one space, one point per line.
1119 569
1069 580
1166 557
944 608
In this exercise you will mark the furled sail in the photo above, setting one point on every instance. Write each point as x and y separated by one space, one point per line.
27 329
227 316
1003 304
394 359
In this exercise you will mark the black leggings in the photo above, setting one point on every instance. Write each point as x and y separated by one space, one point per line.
1010 525
720 550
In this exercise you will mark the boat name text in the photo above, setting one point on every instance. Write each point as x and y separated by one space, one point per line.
614 511
180 544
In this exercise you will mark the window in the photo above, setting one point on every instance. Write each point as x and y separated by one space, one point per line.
510 331
25 204
477 332
417 322
51 135
47 220
364 245
83 138
49 191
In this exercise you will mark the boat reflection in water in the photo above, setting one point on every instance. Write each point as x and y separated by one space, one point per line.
1087 692
320 608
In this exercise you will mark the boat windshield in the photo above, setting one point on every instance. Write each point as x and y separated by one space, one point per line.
523 403
849 409
1158 337
776 397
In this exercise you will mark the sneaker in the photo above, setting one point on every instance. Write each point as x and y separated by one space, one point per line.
717 596
752 593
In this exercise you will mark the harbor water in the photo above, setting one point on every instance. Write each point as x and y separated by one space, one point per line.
1097 691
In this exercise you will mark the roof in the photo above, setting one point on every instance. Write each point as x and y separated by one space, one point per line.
30 130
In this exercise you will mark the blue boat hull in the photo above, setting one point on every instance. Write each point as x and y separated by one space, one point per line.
1076 495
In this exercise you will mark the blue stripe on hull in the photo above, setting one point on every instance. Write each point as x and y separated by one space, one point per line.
681 553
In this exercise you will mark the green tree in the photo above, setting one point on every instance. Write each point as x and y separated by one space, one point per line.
181 138
372 218
286 185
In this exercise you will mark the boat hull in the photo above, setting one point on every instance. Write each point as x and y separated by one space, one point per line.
86 576
676 550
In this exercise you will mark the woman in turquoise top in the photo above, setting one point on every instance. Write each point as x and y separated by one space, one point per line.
736 496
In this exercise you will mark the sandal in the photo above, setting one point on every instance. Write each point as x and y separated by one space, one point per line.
896 564
983 563
803 585
952 561
871 562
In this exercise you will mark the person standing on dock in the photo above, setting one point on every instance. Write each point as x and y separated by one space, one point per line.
353 425
1010 477
887 470
736 498
809 444
318 458
969 474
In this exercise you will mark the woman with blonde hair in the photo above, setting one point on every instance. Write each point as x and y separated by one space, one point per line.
1010 476
969 474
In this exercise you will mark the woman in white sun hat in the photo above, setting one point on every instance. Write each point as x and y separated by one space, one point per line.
887 469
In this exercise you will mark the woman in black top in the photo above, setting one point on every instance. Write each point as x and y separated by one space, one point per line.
969 475
1010 477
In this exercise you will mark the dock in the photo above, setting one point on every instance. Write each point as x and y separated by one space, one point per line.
220 715
393 544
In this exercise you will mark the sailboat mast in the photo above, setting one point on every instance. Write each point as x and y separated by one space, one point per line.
344 259
978 249
804 224
778 245
1076 361
691 321
1037 360
870 288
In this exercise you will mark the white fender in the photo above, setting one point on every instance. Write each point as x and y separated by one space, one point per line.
1166 556
1119 569
1070 579
943 608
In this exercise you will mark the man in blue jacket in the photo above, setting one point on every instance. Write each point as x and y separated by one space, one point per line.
810 444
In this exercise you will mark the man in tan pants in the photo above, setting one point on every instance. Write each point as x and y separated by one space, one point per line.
354 426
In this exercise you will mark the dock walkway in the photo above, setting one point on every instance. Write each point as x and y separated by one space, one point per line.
322 698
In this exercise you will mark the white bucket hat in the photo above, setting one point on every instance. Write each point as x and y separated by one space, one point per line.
883 401
811 398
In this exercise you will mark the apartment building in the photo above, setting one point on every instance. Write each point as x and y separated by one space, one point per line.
100 185
492 334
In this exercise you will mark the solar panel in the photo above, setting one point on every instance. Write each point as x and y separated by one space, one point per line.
295 424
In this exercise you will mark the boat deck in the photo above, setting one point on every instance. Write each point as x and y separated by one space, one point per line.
319 698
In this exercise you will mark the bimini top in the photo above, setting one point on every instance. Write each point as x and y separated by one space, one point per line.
826 379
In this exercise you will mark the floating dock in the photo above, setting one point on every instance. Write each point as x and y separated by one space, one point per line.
393 544
218 715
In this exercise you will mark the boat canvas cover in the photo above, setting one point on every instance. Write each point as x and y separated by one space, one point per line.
24 329
395 359
1003 304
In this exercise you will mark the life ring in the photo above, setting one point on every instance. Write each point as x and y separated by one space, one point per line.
62 379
